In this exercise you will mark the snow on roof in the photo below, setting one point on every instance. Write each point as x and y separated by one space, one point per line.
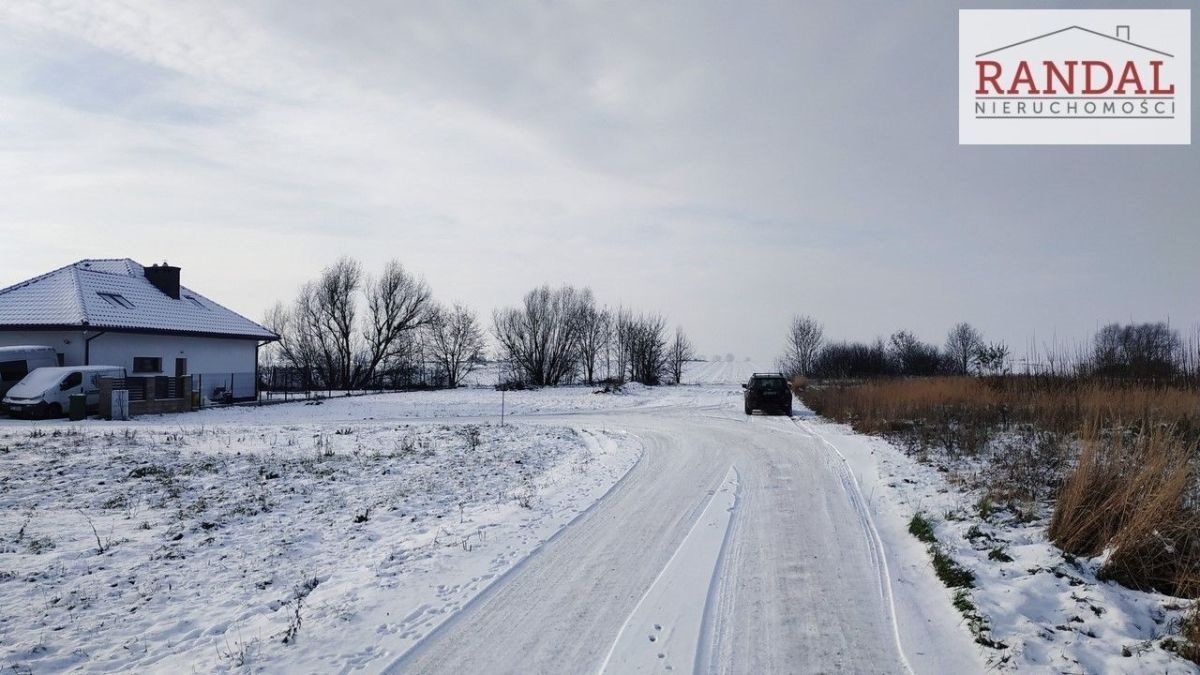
115 294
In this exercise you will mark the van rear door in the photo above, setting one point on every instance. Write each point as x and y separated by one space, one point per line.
12 372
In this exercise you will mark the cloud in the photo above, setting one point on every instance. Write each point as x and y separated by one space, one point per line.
727 166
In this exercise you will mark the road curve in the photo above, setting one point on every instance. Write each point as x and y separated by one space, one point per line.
799 585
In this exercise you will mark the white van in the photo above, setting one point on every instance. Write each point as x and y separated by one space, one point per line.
46 392
17 362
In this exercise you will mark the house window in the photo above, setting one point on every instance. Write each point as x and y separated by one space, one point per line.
147 364
195 302
115 299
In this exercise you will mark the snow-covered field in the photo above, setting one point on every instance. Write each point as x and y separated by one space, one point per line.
291 547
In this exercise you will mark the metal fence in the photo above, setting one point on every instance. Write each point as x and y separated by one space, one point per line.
225 387
286 380
136 387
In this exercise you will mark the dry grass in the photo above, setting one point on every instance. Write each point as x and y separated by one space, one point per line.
1118 458
1133 495
1053 404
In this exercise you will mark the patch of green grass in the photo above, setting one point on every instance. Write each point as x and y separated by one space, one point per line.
975 621
955 575
921 528
999 555
951 573
962 602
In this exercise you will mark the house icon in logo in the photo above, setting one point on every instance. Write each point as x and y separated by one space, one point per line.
1117 38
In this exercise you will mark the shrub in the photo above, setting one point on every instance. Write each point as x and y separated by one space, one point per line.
1132 494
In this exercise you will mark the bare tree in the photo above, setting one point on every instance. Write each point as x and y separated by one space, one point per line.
961 344
278 320
1147 350
298 348
541 337
309 346
680 352
647 345
454 342
621 342
912 357
991 359
397 303
804 341
328 344
595 331
337 314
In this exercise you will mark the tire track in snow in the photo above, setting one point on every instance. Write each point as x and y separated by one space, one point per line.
664 631
874 541
592 438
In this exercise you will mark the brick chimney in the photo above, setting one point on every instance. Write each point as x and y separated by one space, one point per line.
165 278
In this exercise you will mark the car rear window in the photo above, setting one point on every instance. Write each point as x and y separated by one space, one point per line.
769 382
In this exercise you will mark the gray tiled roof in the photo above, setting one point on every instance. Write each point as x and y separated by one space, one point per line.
71 296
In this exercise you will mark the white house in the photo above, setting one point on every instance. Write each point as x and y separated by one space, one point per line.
117 312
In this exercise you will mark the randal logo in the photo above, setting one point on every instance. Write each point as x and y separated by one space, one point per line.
1074 77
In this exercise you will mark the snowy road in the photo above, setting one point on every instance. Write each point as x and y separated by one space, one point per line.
735 545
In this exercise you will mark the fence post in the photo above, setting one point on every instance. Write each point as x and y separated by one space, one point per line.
185 389
106 388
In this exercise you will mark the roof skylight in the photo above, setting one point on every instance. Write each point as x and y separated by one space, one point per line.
115 299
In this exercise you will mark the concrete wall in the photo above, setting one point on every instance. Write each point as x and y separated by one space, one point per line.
216 362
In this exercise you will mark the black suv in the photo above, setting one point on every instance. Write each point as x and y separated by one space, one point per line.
768 392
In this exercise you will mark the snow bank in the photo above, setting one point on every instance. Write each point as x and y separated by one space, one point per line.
1047 609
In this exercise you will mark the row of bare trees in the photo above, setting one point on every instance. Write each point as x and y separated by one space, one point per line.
1142 351
559 334
347 329
807 353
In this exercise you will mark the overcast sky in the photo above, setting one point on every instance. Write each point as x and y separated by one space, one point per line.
730 164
